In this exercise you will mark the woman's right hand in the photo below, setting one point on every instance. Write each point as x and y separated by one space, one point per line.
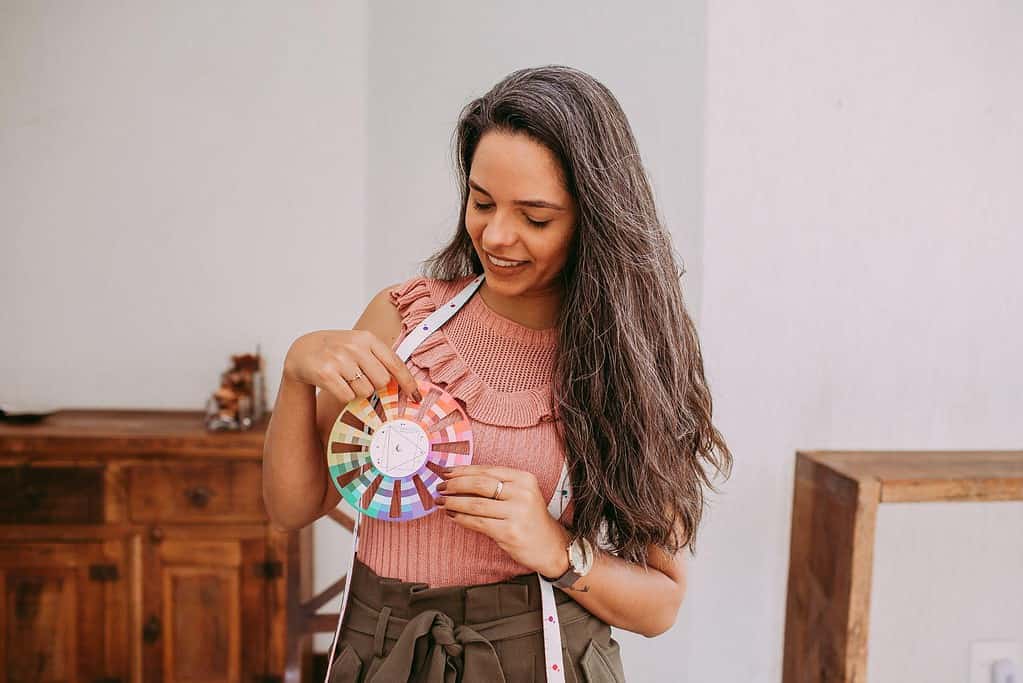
328 358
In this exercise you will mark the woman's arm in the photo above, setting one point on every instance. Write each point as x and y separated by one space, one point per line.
624 594
621 593
294 472
296 489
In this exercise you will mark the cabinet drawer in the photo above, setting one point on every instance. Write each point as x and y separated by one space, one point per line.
185 492
51 495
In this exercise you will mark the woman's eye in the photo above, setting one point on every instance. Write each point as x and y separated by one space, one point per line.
480 206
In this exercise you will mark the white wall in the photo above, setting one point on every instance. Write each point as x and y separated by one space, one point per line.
851 194
427 60
178 182
862 290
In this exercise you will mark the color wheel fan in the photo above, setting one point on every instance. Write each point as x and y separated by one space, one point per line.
386 458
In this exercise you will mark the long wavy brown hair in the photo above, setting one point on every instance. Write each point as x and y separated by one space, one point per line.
634 407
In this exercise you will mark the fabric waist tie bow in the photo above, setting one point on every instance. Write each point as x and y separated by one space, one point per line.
451 653
440 649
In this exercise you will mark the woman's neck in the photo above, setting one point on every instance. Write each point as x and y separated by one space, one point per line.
535 310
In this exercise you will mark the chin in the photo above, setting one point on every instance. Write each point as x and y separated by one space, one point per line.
505 285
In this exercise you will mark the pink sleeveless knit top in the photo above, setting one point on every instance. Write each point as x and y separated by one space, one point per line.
500 372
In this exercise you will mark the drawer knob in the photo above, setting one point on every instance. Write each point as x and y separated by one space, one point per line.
151 631
33 497
198 496
156 534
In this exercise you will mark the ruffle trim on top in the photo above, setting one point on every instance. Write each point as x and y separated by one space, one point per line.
445 367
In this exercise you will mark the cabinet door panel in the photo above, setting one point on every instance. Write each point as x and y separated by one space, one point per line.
208 603
62 612
201 611
41 624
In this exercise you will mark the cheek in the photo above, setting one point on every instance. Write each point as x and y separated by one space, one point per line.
474 226
549 251
556 246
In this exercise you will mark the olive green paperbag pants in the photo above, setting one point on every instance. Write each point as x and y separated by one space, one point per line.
401 631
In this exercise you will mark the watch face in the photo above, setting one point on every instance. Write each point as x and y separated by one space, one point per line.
580 555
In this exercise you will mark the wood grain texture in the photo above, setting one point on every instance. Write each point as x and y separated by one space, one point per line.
126 523
226 490
58 621
114 433
835 499
930 476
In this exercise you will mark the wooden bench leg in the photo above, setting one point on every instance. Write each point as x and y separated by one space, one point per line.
830 563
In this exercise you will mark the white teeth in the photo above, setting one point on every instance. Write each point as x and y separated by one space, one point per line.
498 262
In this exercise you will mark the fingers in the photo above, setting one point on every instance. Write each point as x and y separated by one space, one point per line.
475 506
374 375
492 471
476 485
489 526
351 375
330 380
484 525
397 369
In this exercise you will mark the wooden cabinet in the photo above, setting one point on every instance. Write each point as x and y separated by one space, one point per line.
134 546
204 609
62 610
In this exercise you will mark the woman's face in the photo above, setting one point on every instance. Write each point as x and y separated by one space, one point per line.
519 211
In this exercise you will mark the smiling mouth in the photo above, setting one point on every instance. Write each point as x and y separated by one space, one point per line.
504 263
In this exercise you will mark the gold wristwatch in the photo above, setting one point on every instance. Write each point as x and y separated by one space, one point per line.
580 561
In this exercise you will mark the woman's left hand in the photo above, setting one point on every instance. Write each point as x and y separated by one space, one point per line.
517 519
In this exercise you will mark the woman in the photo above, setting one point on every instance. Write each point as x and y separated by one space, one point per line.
576 349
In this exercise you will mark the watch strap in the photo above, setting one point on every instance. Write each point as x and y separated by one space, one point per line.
567 580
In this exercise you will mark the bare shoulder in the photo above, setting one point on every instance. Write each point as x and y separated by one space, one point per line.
381 317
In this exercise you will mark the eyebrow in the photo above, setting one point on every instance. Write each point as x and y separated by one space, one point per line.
539 203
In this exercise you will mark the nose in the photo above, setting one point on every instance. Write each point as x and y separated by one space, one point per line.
499 233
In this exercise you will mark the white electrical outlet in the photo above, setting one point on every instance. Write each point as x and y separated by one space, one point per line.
984 654
1004 671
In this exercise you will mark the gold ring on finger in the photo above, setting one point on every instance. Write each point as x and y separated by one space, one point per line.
497 491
